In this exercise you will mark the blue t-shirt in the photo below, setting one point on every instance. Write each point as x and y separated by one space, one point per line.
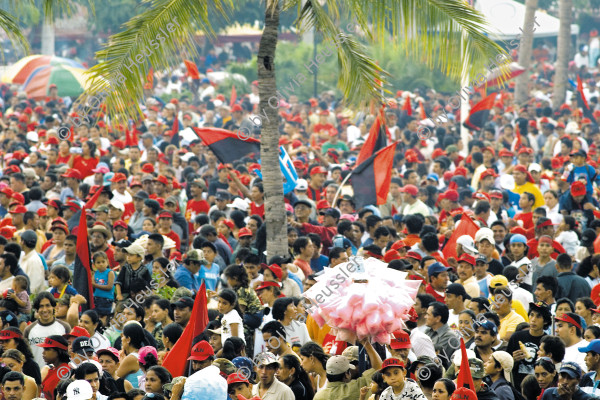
101 278
70 290
317 264
185 278
210 276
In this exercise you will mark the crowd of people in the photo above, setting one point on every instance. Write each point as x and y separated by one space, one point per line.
521 292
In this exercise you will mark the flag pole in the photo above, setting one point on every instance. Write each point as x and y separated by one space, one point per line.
340 188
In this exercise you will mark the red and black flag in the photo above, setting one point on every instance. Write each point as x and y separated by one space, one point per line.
582 102
371 179
228 146
82 268
376 140
192 69
480 113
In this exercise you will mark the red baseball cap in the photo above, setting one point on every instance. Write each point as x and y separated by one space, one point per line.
118 177
463 393
275 269
120 224
410 189
77 331
578 189
488 172
415 255
401 340
451 195
237 378
162 179
391 255
267 284
19 210
201 351
399 244
148 168
467 258
391 362
244 232
165 214
318 170
72 173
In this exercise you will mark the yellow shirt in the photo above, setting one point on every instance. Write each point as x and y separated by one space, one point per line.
316 333
508 325
534 190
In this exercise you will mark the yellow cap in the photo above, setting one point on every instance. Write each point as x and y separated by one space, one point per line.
498 281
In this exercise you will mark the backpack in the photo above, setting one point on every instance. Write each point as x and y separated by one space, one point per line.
516 394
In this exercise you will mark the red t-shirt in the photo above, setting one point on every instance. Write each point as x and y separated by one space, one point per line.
175 237
257 210
430 290
195 207
527 219
85 166
63 160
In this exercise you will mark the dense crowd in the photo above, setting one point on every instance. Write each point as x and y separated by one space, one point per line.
521 291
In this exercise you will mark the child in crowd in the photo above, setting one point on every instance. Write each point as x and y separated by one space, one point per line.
104 285
231 321
20 296
567 236
59 279
209 272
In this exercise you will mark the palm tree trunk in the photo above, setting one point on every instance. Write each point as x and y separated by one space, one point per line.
47 38
275 215
525 52
565 8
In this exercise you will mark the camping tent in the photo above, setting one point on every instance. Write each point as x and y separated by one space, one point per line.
506 18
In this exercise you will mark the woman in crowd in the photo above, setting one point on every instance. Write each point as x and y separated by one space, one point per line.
162 314
591 333
171 334
12 338
583 308
292 374
160 267
314 362
234 347
285 312
90 321
57 367
56 250
132 340
443 389
156 377
109 359
147 358
545 373
14 360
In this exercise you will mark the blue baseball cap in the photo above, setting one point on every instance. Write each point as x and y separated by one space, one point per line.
572 369
434 177
518 238
436 268
487 325
593 346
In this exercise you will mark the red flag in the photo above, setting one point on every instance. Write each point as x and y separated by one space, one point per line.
518 142
422 114
371 179
480 112
192 69
582 102
466 227
150 79
129 142
464 377
407 106
176 359
233 96
376 140
92 201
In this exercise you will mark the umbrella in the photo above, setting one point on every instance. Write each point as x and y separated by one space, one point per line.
19 71
493 77
69 81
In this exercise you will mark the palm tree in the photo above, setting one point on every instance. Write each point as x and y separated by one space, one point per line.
565 8
525 51
51 9
429 30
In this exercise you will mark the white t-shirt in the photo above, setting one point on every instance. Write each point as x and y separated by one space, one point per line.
232 317
38 333
573 354
297 332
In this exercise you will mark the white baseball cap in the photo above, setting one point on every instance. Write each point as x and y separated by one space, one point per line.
485 233
337 365
32 136
468 244
117 204
79 390
240 204
301 184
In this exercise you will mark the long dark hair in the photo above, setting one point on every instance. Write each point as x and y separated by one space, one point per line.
313 349
238 272
299 375
233 348
95 320
22 344
136 335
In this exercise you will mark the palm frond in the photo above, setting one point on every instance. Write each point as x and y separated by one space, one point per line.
155 38
360 78
10 25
